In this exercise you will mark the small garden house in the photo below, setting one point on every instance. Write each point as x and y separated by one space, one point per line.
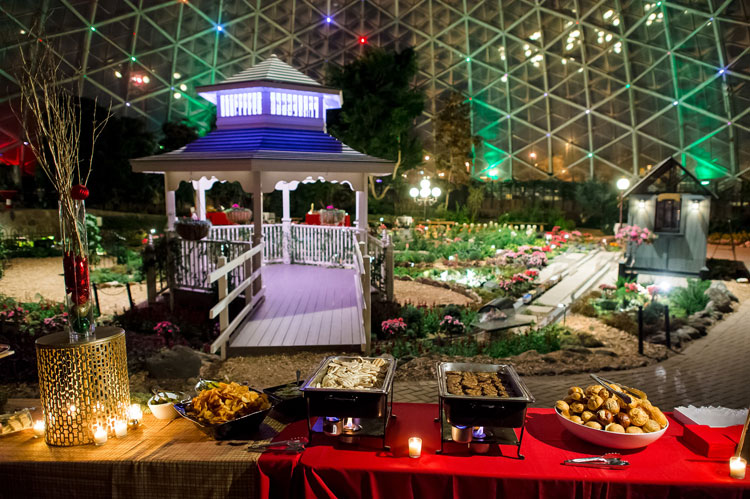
673 204
271 135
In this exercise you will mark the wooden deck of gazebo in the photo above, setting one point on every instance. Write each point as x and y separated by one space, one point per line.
305 306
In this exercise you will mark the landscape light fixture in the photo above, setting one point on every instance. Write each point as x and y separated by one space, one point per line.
425 195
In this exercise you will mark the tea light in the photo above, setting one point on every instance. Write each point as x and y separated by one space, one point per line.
121 429
100 436
38 428
415 447
737 467
135 413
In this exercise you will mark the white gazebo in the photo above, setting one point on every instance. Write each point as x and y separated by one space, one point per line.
271 122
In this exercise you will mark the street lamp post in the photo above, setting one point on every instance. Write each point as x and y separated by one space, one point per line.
425 195
622 185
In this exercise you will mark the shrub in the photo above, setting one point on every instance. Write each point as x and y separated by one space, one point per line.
622 321
584 306
653 312
691 299
544 340
414 319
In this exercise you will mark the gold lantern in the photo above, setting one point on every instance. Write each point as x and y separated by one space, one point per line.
82 384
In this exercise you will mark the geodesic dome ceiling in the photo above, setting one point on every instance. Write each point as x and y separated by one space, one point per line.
567 88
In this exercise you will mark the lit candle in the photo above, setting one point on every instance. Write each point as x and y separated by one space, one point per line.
737 467
415 447
100 435
121 429
136 412
38 428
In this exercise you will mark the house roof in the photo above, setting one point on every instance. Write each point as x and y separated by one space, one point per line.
669 176
265 139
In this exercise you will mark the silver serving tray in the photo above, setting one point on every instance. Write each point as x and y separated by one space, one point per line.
309 386
507 374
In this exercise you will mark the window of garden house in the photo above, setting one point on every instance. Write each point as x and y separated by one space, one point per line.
667 215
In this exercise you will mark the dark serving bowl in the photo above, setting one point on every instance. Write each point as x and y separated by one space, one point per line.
243 428
292 407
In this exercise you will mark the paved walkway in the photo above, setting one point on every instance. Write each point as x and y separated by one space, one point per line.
713 370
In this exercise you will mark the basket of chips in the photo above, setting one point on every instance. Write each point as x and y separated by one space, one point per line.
228 411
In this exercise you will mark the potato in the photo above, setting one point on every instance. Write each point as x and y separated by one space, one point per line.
614 427
586 416
576 419
594 424
562 406
633 430
576 407
595 402
638 417
651 426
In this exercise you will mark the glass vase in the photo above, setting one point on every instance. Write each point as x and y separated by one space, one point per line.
78 297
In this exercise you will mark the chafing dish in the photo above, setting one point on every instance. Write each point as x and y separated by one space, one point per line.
498 415
371 405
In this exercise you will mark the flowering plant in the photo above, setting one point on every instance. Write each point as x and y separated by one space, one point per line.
165 328
635 234
452 325
393 327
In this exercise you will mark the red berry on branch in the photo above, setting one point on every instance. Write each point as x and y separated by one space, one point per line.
79 192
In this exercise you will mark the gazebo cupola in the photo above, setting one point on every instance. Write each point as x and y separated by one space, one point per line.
271 94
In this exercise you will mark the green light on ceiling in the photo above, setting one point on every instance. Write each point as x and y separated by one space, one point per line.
627 86
468 59
93 28
132 58
705 182
591 155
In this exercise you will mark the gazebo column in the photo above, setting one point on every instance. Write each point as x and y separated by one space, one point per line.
257 227
361 203
286 224
169 202
200 187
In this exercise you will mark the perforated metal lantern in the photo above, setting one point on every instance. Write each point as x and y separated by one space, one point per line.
82 384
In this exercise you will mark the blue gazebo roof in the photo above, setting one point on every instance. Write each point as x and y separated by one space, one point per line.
266 139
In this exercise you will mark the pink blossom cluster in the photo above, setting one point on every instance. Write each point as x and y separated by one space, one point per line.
57 321
393 326
165 327
631 287
15 313
452 324
635 234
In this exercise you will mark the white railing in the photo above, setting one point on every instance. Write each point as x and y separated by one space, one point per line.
225 268
362 283
322 245
232 232
195 260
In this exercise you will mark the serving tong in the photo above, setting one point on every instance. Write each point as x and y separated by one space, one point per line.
292 445
606 383
609 461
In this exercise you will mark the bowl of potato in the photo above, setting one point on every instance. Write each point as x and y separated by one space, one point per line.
599 416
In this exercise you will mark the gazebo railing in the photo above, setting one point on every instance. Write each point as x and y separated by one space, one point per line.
196 260
308 244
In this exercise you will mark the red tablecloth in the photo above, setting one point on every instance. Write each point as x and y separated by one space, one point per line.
667 468
314 219
218 218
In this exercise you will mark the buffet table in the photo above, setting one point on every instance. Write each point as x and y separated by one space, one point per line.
667 468
174 459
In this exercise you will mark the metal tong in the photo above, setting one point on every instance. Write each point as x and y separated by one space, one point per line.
606 383
293 445
609 461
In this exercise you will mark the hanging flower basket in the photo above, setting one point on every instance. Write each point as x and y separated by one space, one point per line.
192 230
238 214
331 216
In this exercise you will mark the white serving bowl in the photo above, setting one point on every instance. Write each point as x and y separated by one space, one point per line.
610 439
166 410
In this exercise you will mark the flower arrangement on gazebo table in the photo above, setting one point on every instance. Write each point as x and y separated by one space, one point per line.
238 214
332 216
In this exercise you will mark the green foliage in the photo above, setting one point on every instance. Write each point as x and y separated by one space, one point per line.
454 143
176 134
380 106
536 213
689 300
94 238
475 199
584 306
544 340
414 318
113 184
598 202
